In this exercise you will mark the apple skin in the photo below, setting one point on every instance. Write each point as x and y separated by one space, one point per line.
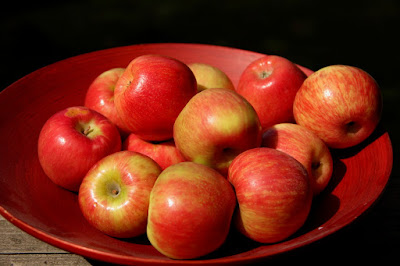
151 93
71 141
100 97
115 193
306 147
341 104
164 153
190 211
208 76
274 194
270 84
215 126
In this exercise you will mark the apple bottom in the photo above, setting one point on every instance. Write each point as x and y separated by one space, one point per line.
114 195
341 104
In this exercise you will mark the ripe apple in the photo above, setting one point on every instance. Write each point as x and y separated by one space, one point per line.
341 104
100 97
190 211
71 141
151 93
273 192
164 153
115 193
306 147
270 84
208 76
215 126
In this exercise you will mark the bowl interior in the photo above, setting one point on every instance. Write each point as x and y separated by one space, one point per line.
33 203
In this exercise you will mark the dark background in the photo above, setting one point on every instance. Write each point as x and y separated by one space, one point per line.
311 33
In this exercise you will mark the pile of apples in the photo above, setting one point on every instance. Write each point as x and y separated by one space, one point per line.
175 151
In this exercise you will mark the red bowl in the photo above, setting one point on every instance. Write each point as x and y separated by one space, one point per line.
29 200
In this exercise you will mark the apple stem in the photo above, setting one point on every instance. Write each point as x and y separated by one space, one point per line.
115 192
87 131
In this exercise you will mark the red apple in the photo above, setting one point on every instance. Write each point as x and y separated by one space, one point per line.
190 211
341 104
151 93
115 193
164 153
270 84
100 96
273 192
306 147
208 76
215 126
72 141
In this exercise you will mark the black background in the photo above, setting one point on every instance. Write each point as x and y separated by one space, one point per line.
311 33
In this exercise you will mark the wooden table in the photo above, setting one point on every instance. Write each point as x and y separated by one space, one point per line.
375 236
20 248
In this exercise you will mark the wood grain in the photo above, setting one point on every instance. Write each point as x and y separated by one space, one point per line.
20 248
42 259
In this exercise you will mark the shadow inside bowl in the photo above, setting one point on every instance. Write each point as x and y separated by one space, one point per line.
141 240
352 151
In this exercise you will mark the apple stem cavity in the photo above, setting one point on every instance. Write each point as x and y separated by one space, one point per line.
85 129
265 74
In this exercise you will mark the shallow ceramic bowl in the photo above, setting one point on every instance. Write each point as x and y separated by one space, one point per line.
33 203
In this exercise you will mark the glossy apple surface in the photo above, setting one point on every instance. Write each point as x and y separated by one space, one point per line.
31 202
151 93
190 211
208 76
215 126
72 141
164 153
273 193
341 104
270 84
306 147
114 195
100 96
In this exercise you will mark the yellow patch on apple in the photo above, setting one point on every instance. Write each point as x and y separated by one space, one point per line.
73 111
